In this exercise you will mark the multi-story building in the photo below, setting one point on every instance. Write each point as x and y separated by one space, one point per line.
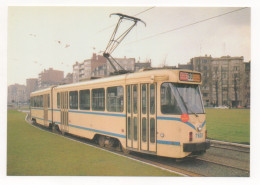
98 66
50 77
224 80
68 79
83 71
17 93
31 85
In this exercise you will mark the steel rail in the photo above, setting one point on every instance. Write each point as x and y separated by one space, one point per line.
222 164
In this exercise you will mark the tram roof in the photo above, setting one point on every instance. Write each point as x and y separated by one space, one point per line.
136 75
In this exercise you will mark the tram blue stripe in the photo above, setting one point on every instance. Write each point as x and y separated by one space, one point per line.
176 119
54 109
98 113
99 131
168 142
36 108
37 118
203 124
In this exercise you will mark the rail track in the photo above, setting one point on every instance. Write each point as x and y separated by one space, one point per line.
210 164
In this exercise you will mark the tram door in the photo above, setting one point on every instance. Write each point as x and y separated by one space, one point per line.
132 116
64 111
141 117
148 117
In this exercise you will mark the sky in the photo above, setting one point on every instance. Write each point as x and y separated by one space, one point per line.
54 36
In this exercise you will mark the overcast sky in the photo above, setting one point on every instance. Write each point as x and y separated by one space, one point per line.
57 37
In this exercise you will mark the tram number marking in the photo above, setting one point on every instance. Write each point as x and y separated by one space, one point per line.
199 135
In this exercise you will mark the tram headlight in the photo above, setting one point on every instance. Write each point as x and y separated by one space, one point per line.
162 134
199 128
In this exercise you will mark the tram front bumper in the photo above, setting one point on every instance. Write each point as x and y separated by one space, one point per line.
195 147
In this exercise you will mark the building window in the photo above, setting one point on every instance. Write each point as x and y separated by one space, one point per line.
84 99
236 68
205 94
73 99
98 99
115 99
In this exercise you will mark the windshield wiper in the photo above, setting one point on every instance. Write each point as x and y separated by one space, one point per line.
185 105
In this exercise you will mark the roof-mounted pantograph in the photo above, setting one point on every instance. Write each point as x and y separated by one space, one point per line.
116 40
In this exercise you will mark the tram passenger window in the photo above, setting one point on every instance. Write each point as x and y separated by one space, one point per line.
144 129
84 99
115 99
169 104
144 99
41 101
73 97
58 100
135 98
129 128
152 130
152 99
98 99
135 128
48 101
128 99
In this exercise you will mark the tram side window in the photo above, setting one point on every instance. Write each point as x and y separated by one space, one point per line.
73 99
98 99
84 99
169 104
115 99
58 100
48 101
41 101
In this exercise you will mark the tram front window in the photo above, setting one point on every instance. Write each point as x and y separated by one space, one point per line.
181 98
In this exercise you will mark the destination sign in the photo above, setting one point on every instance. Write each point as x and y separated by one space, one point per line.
190 77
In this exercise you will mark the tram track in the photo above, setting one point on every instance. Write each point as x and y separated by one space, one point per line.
164 163
222 164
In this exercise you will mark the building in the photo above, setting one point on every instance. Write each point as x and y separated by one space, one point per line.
127 64
31 85
68 79
141 65
50 77
224 80
17 94
83 71
98 66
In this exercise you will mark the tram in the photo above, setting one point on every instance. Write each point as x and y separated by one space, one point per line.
159 112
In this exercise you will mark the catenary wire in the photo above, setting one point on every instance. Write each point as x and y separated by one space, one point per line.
133 15
191 24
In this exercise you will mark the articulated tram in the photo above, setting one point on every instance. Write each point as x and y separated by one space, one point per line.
159 111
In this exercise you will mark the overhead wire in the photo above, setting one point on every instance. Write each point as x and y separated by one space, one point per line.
187 25
133 15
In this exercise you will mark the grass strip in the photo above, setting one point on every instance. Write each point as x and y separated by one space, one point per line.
31 151
232 125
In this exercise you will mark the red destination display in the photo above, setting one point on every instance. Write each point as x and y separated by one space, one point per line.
190 77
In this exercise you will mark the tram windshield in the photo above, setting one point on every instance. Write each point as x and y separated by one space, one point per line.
181 98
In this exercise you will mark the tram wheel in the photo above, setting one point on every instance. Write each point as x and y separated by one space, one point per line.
101 141
34 122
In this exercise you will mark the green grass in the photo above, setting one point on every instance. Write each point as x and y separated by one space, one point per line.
232 125
31 151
